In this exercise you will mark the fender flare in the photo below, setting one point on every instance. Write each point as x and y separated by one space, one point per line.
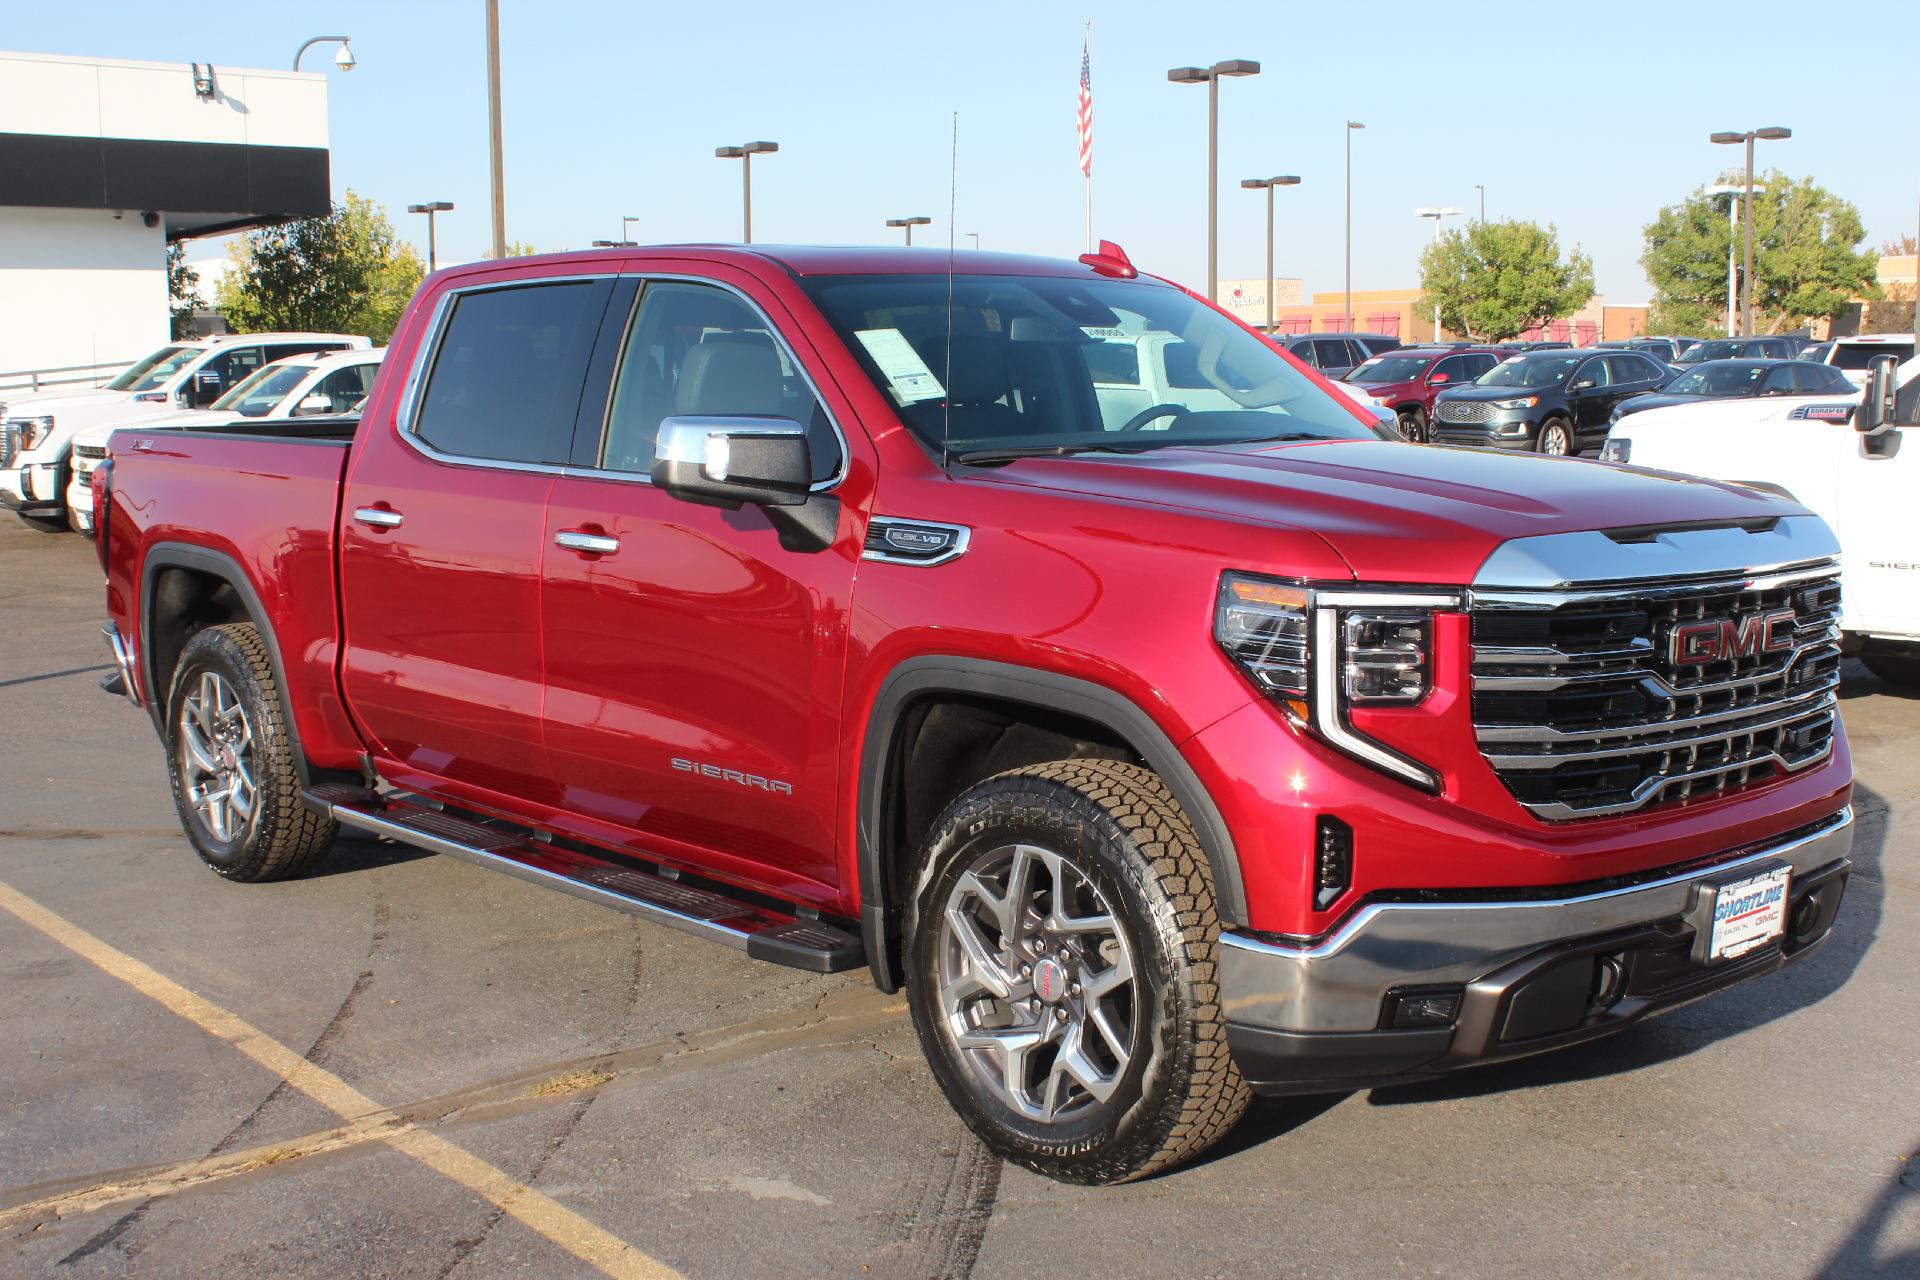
919 677
183 555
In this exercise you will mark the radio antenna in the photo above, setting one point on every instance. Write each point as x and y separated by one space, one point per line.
946 399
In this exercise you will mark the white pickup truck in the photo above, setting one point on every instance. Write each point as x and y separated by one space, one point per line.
318 384
1853 459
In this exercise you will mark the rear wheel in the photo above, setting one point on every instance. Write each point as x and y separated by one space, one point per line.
1061 953
1556 438
231 759
1413 425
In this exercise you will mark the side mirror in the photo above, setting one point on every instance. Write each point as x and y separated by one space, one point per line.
1439 379
729 462
1585 384
310 405
206 388
1879 408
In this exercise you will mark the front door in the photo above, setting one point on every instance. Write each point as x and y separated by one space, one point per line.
693 664
441 541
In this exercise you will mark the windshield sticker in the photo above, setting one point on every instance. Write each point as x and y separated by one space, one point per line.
907 374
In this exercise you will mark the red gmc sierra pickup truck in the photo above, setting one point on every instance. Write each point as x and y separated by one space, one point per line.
1028 632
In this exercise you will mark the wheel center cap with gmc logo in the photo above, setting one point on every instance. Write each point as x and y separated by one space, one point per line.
1049 980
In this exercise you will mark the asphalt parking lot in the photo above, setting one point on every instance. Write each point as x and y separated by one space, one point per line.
406 1066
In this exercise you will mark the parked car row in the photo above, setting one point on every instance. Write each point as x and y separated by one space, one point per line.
37 432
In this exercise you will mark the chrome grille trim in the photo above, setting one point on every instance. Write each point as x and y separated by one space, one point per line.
1465 411
9 443
1580 712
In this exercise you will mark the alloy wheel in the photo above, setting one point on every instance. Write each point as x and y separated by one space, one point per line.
1036 983
216 756
1554 441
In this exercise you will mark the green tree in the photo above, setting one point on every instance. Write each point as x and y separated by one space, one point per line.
345 272
1495 280
521 249
182 296
1807 263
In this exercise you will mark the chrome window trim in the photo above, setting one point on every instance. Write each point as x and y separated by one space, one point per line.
414 391
962 539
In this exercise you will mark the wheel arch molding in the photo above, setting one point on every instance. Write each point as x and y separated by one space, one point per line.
929 677
163 556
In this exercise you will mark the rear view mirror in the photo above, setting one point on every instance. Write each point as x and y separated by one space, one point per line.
1878 409
729 462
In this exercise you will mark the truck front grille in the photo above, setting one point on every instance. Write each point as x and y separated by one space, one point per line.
9 443
86 457
1582 710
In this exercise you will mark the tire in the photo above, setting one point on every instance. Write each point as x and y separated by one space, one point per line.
1413 425
226 738
1556 438
1102 840
1899 669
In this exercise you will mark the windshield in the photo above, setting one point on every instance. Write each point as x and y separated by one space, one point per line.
1530 371
135 371
1860 355
256 396
1067 365
1728 379
161 371
1391 369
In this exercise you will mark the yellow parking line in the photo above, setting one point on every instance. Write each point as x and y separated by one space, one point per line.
565 1228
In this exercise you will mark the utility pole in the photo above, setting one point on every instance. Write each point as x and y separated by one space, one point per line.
495 150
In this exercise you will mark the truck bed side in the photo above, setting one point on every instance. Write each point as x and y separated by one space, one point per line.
216 525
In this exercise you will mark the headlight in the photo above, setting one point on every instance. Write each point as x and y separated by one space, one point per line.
1616 449
34 431
1320 652
1518 402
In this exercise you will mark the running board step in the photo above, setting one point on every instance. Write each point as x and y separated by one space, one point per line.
802 942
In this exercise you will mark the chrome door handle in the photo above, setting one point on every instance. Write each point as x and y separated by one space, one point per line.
378 517
598 544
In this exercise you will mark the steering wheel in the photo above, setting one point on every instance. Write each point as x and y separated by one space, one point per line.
1148 414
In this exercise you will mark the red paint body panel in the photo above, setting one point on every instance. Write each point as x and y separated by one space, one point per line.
487 666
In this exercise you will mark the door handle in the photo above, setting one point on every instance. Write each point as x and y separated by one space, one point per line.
378 517
595 544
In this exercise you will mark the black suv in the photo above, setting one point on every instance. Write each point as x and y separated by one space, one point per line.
1739 349
1549 401
1335 354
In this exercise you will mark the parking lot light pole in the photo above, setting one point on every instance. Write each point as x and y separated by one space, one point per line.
1481 188
910 224
496 150
1351 126
1772 134
343 59
1436 215
1732 191
1268 184
430 208
745 153
1210 76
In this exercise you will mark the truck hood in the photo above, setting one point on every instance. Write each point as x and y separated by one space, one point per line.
1399 512
32 406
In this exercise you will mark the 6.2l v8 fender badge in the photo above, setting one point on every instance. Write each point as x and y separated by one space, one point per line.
738 777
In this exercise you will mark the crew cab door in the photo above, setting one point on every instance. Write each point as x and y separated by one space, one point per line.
1873 517
442 535
693 664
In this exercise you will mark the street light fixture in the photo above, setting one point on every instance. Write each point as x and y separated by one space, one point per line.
1773 134
343 59
627 220
1351 126
1210 76
430 208
615 244
976 239
1436 215
745 153
1732 191
910 224
1268 184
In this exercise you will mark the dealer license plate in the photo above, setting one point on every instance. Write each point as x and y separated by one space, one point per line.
1748 913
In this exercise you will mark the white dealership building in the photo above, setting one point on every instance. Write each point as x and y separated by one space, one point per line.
106 162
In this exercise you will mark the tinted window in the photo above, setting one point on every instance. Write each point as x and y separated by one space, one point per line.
698 351
1479 364
347 387
1780 380
1594 371
506 379
1331 353
231 367
1860 355
1631 368
1455 369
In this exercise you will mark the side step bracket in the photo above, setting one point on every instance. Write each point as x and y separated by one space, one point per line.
763 932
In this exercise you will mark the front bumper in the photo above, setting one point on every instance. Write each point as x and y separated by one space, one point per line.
33 489
1476 435
1524 970
80 502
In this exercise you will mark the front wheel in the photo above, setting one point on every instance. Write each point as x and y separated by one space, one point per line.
1556 438
1413 425
231 757
1061 966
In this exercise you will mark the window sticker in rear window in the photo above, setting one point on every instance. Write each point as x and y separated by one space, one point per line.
907 374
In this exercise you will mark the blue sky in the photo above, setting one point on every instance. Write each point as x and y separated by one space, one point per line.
1586 116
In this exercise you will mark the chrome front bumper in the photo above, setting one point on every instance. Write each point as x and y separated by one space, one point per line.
1341 984
124 660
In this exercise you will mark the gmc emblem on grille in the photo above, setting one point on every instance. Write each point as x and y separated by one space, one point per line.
1694 644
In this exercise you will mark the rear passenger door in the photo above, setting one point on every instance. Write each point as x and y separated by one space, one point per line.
693 663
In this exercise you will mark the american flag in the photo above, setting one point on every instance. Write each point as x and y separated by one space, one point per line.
1086 110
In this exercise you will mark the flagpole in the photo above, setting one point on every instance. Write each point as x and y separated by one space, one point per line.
1087 53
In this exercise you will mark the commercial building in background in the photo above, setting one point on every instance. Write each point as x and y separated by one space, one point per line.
1247 299
106 162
